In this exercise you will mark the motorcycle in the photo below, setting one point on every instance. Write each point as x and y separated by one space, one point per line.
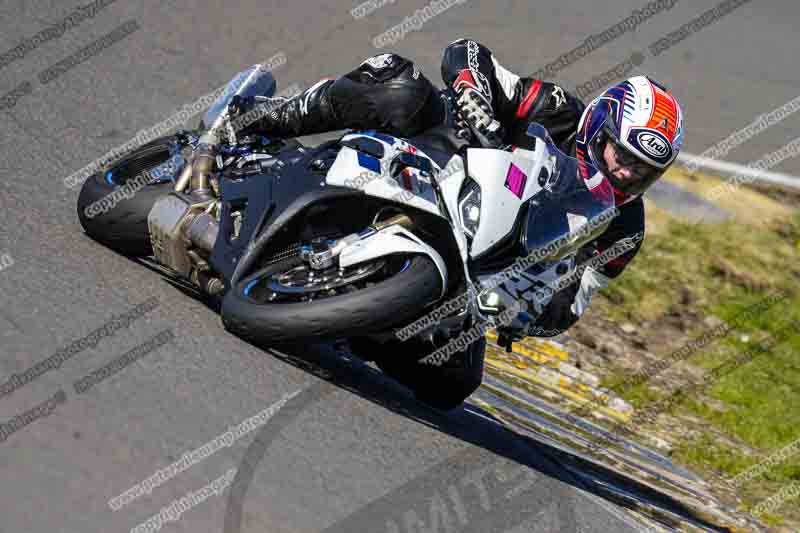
356 238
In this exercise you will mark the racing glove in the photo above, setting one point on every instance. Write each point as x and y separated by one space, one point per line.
506 314
475 113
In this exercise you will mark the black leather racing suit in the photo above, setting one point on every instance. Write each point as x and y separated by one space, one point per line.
388 93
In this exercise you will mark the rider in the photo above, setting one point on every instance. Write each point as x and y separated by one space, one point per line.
631 133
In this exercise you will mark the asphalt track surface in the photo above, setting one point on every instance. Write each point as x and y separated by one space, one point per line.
350 451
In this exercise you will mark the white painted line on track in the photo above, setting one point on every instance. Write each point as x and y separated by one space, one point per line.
734 169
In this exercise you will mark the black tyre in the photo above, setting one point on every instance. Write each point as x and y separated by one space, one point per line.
124 226
262 308
443 387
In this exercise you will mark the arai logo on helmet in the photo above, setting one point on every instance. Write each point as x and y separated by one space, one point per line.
653 144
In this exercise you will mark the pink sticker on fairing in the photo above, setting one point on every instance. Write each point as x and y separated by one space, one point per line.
515 180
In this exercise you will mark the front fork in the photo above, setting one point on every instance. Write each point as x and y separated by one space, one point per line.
323 255
380 239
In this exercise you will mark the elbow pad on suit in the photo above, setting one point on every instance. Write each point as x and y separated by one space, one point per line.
591 282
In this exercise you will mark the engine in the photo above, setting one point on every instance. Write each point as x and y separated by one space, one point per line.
183 230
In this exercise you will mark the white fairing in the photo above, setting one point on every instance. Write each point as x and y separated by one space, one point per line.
346 171
391 240
450 180
507 181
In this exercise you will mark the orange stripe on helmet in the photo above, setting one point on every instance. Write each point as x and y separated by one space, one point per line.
665 107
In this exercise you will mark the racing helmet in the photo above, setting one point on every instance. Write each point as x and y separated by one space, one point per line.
638 121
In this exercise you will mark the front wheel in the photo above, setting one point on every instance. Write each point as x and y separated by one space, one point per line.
288 302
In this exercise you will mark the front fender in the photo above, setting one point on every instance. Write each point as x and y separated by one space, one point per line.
388 241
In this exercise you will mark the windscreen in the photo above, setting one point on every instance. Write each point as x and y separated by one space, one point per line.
570 210
255 81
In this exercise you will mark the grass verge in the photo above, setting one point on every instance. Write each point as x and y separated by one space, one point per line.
718 270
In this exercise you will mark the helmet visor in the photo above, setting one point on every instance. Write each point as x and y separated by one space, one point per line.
626 172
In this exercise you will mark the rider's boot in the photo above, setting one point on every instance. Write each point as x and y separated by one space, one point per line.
304 114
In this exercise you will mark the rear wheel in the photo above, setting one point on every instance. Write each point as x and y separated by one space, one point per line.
123 226
288 302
